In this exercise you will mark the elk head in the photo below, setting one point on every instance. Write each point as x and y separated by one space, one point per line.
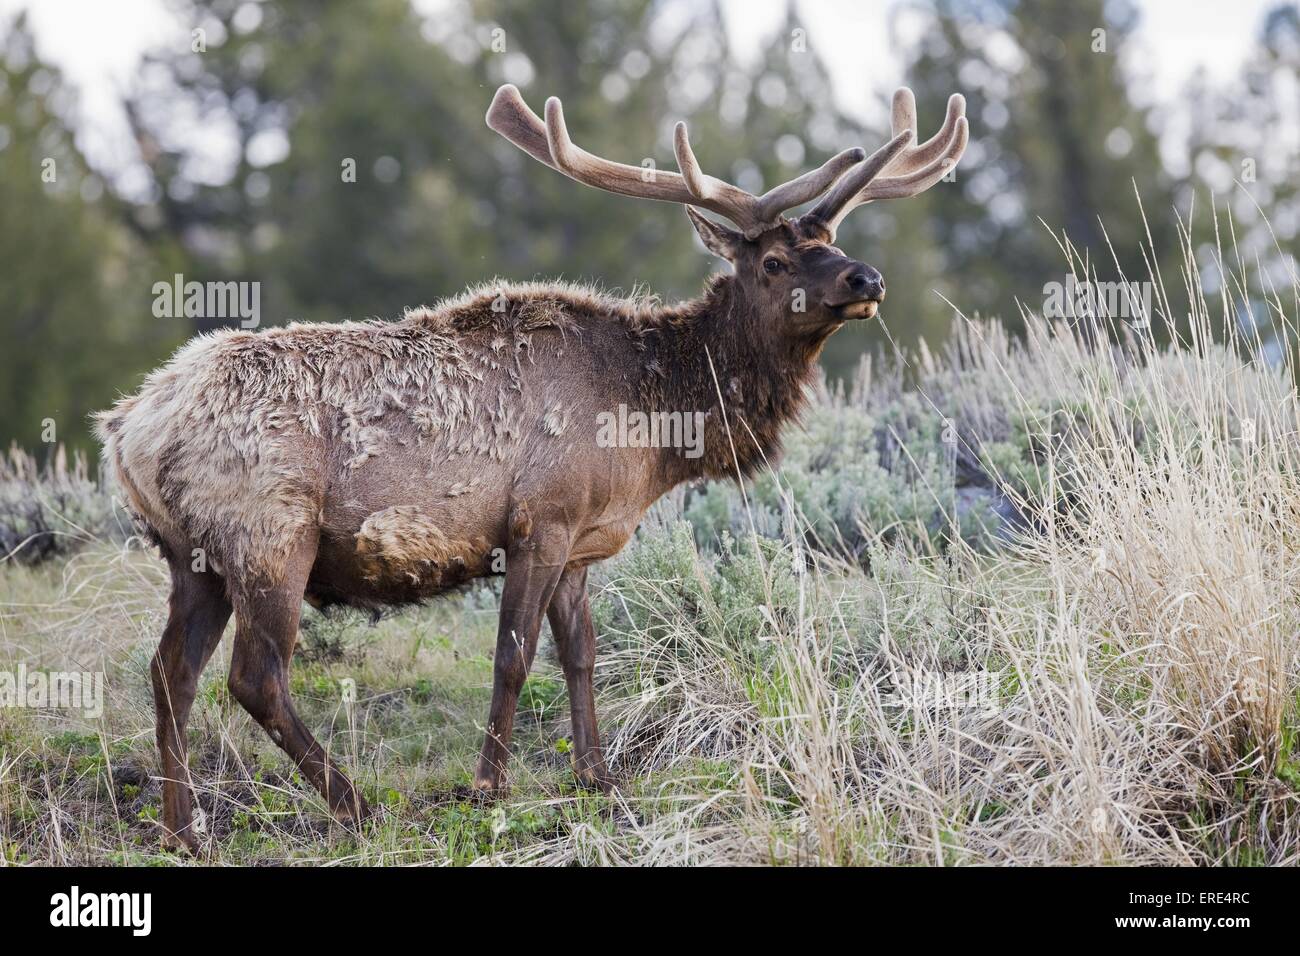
788 271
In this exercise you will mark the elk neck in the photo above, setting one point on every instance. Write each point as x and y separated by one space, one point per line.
720 345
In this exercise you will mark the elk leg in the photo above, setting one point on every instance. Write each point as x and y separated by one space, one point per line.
575 639
533 566
266 629
198 614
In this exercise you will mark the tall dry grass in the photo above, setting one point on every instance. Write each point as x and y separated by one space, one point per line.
1141 630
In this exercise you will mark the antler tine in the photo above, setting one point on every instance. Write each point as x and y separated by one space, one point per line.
606 174
901 187
911 169
902 112
836 204
904 117
808 186
764 210
510 116
700 185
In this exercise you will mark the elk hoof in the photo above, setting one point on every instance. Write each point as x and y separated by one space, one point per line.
486 788
351 809
183 842
598 781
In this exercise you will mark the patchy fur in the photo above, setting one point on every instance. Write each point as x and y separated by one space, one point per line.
238 444
227 446
403 541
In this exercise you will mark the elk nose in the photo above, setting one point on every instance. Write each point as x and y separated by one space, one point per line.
865 282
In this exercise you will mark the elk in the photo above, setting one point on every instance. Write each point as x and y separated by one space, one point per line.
380 463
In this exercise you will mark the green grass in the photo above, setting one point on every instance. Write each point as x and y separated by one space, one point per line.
80 791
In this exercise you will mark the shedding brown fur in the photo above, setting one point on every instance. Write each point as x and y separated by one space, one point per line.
380 463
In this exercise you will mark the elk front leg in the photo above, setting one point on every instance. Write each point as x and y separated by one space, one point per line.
575 640
534 562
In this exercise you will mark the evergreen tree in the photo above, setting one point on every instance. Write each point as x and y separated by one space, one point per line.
1055 136
75 285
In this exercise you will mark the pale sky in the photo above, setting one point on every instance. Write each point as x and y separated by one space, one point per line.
98 44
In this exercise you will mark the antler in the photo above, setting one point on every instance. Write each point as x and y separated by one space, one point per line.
549 143
905 171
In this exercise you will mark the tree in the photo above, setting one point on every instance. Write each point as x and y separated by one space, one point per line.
75 286
1243 160
1055 136
436 200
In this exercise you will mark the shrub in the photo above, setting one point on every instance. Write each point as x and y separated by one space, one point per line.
51 510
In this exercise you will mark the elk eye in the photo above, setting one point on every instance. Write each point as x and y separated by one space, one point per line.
772 265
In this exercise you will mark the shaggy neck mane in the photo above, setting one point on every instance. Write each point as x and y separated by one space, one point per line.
718 345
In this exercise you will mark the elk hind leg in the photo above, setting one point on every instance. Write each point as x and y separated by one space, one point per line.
266 630
198 612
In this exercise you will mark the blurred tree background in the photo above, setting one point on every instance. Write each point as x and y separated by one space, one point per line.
248 144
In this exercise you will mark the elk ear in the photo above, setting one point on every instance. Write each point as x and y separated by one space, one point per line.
717 238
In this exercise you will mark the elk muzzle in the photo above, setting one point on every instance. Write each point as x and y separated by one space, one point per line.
859 290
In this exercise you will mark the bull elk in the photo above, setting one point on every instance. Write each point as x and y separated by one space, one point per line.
376 464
